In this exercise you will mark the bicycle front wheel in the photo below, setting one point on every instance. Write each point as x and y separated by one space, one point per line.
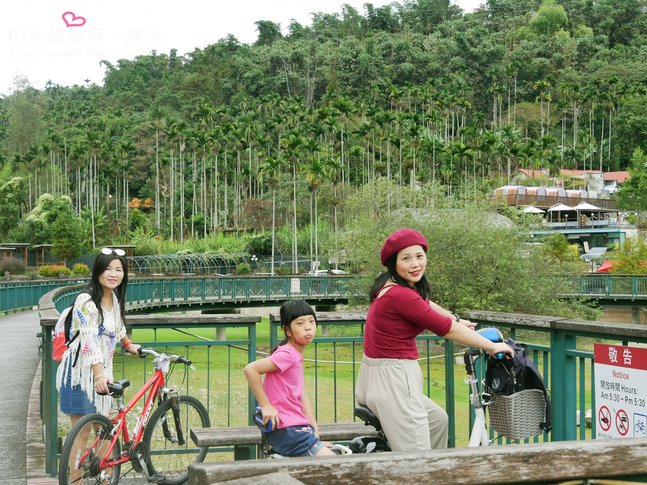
84 449
167 439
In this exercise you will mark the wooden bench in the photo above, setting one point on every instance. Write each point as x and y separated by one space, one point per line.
242 439
624 459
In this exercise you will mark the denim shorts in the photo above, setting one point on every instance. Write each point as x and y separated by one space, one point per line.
74 400
295 441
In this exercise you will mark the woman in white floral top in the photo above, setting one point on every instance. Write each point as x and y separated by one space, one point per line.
83 374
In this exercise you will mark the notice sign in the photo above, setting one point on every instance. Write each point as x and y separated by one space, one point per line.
620 391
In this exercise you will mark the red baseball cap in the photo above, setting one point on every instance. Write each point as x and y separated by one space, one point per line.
400 239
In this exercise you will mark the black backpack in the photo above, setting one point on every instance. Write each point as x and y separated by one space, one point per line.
508 376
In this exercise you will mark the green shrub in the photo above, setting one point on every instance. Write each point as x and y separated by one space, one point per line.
243 268
12 265
53 270
80 269
283 269
31 274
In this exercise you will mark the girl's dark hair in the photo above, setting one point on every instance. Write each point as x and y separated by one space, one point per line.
422 287
95 289
290 311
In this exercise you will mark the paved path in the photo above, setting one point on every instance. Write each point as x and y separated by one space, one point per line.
21 444
18 363
22 454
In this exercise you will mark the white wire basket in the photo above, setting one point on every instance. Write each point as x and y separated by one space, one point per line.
519 415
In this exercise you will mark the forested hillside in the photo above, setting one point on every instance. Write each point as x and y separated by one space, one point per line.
281 132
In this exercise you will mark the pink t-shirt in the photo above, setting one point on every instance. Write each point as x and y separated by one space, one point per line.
284 387
395 319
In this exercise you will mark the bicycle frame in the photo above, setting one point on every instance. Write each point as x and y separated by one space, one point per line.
155 385
479 434
155 445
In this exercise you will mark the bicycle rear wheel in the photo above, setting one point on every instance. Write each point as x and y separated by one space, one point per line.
168 441
84 448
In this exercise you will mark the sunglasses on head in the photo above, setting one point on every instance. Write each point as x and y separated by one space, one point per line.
118 252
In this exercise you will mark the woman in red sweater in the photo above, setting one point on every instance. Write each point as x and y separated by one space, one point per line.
390 380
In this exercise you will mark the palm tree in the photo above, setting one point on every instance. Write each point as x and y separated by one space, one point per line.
156 119
94 143
271 171
176 129
292 143
571 91
543 87
215 139
314 173
124 153
332 167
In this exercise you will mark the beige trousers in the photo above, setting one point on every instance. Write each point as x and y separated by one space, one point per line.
392 389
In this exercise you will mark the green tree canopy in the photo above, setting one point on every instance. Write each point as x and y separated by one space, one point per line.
13 194
633 193
66 236
36 227
631 258
476 259
549 19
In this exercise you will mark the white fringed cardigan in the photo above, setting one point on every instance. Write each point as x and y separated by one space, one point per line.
96 342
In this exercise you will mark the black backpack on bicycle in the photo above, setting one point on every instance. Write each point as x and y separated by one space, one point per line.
510 376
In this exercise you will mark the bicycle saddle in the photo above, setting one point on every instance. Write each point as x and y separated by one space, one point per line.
366 415
117 388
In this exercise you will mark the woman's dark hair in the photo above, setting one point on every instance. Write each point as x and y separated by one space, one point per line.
422 287
95 289
290 311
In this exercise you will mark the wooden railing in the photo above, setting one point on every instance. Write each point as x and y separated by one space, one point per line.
531 464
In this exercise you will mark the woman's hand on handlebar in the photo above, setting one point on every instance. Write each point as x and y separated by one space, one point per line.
468 323
501 348
101 384
133 349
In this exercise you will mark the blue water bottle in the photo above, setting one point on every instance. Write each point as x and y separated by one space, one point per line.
258 419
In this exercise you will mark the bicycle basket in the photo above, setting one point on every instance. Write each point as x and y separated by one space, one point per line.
519 415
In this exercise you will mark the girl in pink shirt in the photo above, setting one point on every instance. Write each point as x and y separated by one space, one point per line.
281 394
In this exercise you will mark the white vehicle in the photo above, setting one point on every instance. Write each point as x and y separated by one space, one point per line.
594 253
328 272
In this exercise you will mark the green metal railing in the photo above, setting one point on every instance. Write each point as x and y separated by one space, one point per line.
562 350
194 290
609 287
565 352
233 291
24 295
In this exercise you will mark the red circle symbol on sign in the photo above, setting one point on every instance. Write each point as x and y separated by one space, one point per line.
622 422
604 418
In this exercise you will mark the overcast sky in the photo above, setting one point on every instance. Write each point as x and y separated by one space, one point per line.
64 40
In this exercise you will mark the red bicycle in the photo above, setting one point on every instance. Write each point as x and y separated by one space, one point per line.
158 445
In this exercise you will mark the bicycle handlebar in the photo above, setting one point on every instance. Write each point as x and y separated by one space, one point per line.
493 335
172 358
